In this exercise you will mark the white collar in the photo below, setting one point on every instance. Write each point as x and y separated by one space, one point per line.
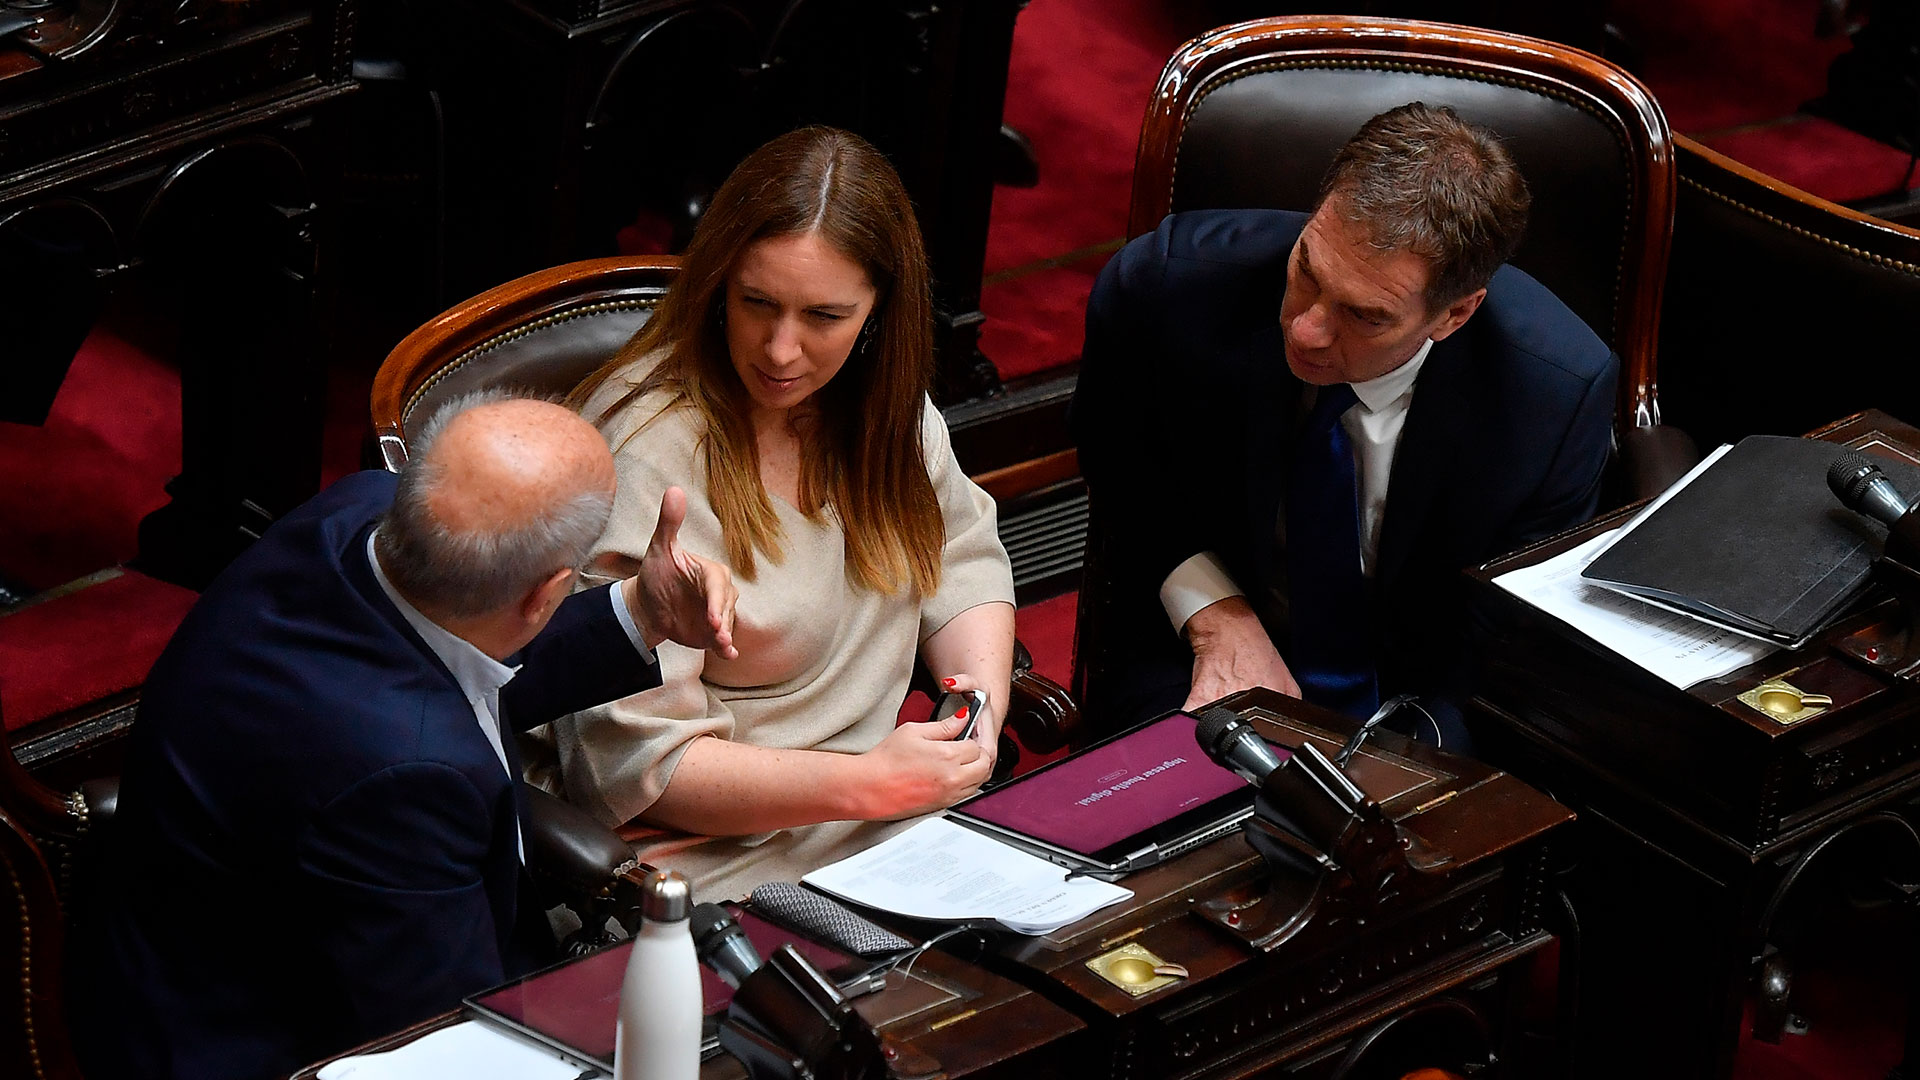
1383 390
477 673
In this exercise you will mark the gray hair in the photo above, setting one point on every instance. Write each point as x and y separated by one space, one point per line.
1421 179
475 573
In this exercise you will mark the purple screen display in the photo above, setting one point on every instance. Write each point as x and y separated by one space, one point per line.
578 1004
1114 791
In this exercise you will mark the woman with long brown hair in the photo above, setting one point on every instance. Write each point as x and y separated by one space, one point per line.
783 384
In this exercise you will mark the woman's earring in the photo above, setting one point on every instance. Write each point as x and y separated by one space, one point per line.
865 342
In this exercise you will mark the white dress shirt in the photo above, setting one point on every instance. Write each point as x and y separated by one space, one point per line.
1373 428
478 675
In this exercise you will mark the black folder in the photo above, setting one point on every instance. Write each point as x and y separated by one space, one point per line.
1757 543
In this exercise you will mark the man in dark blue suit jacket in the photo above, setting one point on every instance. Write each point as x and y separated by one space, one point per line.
318 837
1483 421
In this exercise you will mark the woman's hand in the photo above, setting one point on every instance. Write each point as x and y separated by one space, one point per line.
920 768
986 730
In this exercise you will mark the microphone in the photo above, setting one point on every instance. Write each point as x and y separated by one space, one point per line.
722 945
1309 791
1232 743
1863 488
825 920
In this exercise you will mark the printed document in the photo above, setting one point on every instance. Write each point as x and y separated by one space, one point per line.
941 870
469 1050
1673 646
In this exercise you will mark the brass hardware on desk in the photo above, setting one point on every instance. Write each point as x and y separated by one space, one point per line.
951 1020
1784 703
1136 970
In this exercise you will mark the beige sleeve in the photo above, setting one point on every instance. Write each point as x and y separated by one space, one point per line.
616 759
973 566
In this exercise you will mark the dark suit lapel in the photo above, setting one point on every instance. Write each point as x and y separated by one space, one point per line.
505 878
357 570
1438 422
1272 397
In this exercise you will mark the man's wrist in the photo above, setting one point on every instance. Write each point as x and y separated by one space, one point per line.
1218 619
1200 580
646 634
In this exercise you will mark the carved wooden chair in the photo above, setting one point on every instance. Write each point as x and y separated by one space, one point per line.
544 333
1784 311
43 839
1249 116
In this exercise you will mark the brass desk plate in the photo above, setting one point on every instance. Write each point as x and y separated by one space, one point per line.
1784 703
1135 970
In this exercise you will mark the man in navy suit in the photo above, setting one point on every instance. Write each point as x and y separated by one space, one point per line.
319 832
1296 430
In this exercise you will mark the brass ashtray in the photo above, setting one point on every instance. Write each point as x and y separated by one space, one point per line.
1784 703
1135 970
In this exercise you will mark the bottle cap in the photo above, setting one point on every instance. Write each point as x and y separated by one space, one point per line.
665 896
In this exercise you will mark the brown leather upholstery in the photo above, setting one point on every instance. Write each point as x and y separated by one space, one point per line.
1784 311
41 834
543 332
1250 115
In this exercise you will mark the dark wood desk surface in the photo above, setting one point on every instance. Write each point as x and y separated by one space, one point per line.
1241 1011
1698 812
980 1026
1740 783
1036 1010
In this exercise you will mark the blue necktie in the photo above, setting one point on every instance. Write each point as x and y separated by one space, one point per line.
1327 602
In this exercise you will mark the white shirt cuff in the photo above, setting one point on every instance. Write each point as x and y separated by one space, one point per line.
626 622
1194 584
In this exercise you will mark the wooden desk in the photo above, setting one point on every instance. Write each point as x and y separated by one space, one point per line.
984 1026
1301 1008
1698 813
1036 1010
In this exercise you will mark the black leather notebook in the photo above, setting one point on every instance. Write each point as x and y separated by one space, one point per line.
1757 543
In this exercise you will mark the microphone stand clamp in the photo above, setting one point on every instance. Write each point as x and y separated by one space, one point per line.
1895 647
789 1022
1331 854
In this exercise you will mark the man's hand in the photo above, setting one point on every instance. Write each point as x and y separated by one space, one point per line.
920 768
1231 651
677 595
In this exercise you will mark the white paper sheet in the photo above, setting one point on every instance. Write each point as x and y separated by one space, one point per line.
469 1050
1675 647
941 870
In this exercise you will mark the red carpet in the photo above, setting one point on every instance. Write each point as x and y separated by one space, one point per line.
1079 80
75 489
1719 64
84 646
1734 74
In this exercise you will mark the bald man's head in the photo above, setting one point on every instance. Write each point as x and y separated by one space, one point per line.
500 492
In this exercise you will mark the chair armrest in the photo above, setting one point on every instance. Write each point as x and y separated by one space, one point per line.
1042 715
102 797
1655 457
570 850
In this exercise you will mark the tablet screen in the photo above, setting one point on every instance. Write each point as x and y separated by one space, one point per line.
575 1006
1153 783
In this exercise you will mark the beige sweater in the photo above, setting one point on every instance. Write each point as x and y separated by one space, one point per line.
823 663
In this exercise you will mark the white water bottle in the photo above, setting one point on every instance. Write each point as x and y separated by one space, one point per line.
658 1035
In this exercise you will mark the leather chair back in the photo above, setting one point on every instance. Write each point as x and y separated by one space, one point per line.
544 333
1251 115
33 1037
1769 285
43 833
